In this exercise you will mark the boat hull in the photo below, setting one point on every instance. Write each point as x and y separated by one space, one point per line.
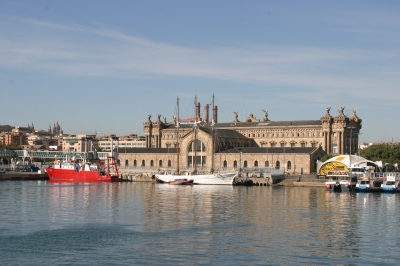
181 182
390 189
210 179
69 175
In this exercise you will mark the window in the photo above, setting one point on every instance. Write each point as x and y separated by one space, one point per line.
143 163
278 165
245 164
225 164
289 165
292 145
196 154
197 145
256 164
160 163
151 163
303 144
334 149
282 145
266 163
234 164
126 163
169 163
134 163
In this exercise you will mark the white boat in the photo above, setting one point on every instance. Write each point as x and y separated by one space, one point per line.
391 183
341 181
369 183
201 179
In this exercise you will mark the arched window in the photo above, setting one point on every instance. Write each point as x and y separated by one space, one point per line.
143 163
134 163
278 165
151 163
235 164
160 163
245 164
266 163
196 154
126 163
169 163
225 164
289 165
256 164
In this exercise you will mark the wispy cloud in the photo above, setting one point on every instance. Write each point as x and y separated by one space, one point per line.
74 50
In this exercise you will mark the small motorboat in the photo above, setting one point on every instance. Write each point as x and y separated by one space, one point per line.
391 183
181 181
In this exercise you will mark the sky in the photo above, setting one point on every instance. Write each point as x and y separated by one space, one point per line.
104 66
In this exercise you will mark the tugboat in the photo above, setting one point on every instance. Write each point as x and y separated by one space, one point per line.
78 170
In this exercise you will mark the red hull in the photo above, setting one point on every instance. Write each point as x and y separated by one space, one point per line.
70 175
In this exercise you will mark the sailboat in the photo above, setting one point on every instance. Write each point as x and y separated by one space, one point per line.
199 179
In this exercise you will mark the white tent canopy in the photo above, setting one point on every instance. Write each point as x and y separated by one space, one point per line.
350 161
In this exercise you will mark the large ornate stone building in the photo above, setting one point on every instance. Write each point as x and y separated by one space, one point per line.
292 145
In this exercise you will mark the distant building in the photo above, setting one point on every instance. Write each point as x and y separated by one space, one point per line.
80 143
295 146
15 136
56 130
122 143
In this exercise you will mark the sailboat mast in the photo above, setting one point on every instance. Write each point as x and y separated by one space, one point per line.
212 137
177 138
195 136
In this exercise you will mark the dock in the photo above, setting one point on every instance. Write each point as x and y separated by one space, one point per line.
23 176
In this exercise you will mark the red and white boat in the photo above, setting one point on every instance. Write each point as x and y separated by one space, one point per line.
82 171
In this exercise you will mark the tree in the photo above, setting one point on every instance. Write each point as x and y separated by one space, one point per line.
326 157
386 153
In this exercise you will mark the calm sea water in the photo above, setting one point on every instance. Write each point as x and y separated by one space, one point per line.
158 224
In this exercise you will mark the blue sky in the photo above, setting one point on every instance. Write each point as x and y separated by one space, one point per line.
107 65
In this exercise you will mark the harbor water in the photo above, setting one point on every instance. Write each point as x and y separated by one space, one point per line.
43 223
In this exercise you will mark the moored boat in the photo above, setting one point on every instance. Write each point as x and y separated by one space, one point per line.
181 181
201 179
391 183
78 170
341 181
369 184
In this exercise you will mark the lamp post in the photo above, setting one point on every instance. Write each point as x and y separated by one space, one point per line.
267 150
284 150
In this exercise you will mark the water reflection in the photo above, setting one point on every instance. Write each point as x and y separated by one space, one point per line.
215 223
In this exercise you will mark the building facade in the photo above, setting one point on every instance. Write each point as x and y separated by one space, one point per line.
121 143
294 146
